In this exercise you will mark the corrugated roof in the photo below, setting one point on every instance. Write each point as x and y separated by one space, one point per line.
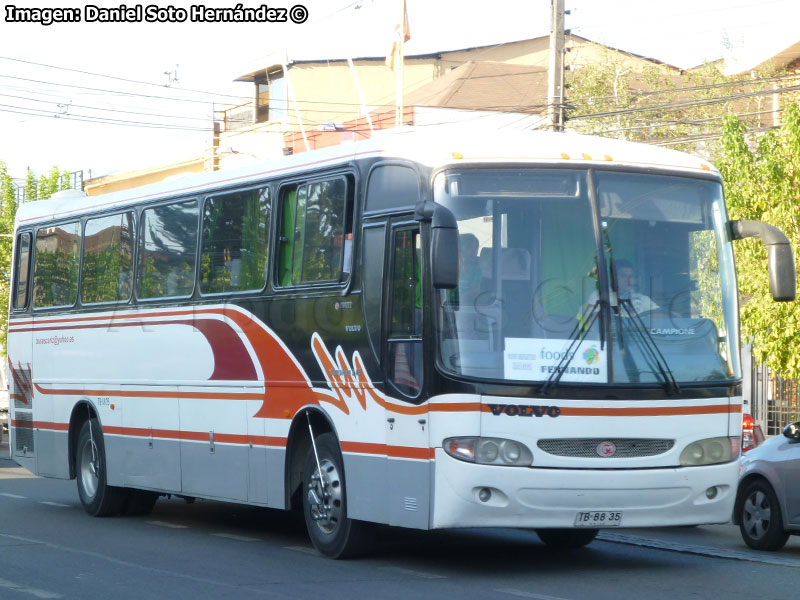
486 86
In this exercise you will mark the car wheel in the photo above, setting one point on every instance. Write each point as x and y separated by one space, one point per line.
325 503
98 498
761 523
567 538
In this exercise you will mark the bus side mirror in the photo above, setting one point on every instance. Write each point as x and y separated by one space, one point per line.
779 251
444 243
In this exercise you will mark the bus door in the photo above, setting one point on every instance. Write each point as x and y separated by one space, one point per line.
407 430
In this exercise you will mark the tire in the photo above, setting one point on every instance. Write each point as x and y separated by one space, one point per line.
325 504
98 498
567 538
760 519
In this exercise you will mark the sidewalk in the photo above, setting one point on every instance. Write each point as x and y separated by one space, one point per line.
722 541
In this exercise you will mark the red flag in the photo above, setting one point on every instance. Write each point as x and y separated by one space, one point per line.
394 57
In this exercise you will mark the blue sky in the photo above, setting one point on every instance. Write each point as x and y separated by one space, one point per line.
209 57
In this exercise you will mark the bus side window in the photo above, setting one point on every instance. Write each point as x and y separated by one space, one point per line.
405 326
167 250
107 259
315 232
392 187
234 242
55 272
22 268
372 258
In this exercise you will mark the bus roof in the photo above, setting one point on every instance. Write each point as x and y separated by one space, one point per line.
432 146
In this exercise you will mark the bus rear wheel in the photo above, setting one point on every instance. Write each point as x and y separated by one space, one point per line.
325 503
567 538
98 498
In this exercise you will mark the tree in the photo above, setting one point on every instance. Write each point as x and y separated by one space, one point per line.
762 182
659 104
47 185
8 210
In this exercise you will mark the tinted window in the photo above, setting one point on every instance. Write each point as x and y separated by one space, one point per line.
55 280
392 186
22 267
234 251
167 250
405 344
372 282
315 236
108 259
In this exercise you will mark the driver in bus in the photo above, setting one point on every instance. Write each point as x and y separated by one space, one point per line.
623 272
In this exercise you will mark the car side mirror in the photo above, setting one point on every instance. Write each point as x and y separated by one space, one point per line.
792 431
444 243
779 253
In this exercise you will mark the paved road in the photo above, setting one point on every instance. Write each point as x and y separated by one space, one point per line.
49 548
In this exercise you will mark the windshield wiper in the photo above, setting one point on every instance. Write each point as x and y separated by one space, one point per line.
651 348
576 337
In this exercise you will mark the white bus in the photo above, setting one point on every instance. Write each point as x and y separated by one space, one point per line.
438 329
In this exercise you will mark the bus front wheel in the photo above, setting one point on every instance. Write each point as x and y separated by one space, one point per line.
98 498
325 503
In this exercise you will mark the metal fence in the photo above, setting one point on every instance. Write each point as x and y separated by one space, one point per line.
774 401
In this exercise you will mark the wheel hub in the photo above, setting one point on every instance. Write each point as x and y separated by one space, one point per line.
757 514
325 497
89 468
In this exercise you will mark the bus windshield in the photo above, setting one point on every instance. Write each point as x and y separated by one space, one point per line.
532 303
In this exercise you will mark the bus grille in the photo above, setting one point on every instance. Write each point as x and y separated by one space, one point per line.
588 447
23 430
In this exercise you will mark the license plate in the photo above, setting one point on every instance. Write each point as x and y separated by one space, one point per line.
599 518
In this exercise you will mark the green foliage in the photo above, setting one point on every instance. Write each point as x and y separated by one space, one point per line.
31 188
34 190
762 180
8 210
660 104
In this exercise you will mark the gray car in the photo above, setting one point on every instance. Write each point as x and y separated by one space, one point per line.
767 508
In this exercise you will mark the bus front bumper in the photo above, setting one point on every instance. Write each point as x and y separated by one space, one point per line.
470 495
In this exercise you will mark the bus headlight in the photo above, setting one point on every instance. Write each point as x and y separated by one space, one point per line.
489 451
710 452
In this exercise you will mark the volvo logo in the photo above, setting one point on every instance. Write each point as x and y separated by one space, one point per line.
606 449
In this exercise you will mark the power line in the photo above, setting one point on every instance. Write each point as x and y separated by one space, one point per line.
692 122
9 108
686 104
80 87
28 62
738 82
129 112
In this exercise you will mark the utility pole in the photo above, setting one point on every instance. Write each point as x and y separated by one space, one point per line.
555 79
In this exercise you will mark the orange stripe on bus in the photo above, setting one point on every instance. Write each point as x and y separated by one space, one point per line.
390 451
652 411
244 439
155 394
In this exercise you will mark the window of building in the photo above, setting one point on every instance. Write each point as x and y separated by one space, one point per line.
271 99
107 274
167 250
316 233
55 279
234 242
